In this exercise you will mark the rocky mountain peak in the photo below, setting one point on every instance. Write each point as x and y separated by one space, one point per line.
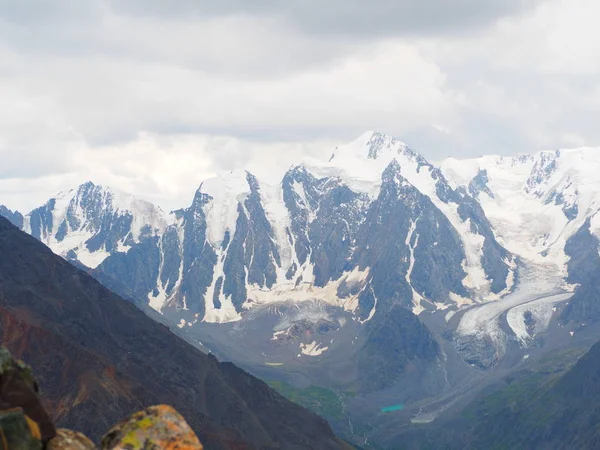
15 217
373 145
105 220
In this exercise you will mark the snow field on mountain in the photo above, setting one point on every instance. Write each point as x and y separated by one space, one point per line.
524 212
227 191
527 212
227 312
416 297
279 218
111 201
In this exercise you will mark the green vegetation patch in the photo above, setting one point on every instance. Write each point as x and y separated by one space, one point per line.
318 399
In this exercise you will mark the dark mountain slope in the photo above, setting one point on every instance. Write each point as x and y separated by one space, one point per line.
550 412
99 358
551 405
584 270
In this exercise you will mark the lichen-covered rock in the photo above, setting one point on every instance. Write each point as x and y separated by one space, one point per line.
18 432
70 440
155 428
18 389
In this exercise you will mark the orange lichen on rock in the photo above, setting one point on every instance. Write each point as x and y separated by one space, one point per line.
157 427
25 424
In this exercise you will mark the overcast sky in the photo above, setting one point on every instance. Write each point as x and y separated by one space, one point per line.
152 96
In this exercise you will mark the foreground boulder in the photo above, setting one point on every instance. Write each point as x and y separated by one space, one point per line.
25 424
19 397
18 432
70 440
155 428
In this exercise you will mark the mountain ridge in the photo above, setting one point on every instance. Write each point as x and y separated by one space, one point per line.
102 358
271 207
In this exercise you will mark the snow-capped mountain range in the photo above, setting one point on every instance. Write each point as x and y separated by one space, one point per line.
318 234
92 222
535 202
477 241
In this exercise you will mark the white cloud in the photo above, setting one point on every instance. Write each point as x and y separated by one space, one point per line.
559 37
164 170
387 85
153 100
140 125
527 84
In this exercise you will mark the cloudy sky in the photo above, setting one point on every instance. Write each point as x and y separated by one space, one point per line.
152 96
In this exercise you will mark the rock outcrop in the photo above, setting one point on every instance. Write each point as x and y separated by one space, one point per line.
70 440
25 424
157 427
19 401
18 431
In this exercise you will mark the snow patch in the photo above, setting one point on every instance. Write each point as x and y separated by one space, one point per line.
277 334
157 301
89 259
373 310
459 300
226 312
476 279
312 349
279 218
416 297
305 291
227 192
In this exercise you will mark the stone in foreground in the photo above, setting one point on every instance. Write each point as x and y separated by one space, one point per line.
157 427
18 389
18 432
70 440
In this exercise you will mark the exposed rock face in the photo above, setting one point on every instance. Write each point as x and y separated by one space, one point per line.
584 269
394 342
15 217
155 428
405 263
479 184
